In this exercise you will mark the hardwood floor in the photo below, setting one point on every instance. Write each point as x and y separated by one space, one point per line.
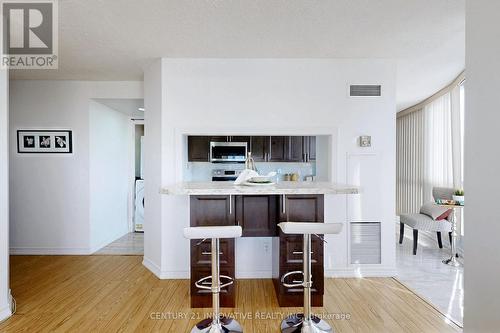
118 294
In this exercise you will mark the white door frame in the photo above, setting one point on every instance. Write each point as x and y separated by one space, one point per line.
131 196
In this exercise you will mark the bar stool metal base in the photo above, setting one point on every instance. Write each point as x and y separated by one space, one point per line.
296 324
453 261
227 325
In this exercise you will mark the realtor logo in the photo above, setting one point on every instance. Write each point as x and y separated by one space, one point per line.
29 34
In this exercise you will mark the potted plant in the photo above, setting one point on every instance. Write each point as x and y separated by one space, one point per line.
459 196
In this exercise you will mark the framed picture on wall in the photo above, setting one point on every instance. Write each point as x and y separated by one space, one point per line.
45 141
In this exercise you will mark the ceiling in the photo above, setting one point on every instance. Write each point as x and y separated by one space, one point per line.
115 39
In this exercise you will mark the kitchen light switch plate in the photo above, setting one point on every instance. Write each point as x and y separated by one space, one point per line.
365 141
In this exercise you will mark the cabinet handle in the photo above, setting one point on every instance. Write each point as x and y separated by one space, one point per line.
230 204
209 253
283 205
300 252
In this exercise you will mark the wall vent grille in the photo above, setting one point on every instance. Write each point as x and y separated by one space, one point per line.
359 90
365 243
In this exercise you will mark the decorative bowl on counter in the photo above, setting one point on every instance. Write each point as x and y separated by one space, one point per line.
249 183
260 179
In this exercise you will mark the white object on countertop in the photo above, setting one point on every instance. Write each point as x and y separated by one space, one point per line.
248 174
244 176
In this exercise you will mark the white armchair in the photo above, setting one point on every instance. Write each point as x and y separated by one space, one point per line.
425 222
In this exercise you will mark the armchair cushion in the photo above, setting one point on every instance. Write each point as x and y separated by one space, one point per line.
434 211
424 222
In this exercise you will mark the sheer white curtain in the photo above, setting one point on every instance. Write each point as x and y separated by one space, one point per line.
429 150
438 156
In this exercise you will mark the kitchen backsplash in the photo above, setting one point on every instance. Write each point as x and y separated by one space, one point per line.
202 171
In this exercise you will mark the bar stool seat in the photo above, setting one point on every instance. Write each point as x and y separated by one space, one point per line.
306 322
218 323
302 228
212 232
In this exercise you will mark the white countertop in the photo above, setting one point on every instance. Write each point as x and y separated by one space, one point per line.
284 187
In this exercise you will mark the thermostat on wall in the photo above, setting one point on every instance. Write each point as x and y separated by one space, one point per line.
365 141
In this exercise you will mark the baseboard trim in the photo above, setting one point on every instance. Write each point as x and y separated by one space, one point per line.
255 275
50 251
5 313
361 272
164 275
155 269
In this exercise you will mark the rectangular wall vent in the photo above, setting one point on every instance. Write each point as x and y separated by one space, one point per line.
365 90
365 243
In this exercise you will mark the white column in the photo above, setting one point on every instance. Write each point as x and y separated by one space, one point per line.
482 181
4 196
153 96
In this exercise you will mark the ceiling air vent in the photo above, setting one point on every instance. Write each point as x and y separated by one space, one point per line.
365 90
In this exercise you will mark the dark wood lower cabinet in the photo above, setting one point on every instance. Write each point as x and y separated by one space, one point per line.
211 210
299 208
258 215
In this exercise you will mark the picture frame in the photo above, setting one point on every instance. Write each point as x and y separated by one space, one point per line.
45 141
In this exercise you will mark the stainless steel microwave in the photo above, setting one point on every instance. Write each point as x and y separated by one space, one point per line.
228 152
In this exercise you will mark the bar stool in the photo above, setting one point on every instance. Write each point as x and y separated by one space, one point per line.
218 323
306 322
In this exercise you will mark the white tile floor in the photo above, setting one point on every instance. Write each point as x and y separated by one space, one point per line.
425 274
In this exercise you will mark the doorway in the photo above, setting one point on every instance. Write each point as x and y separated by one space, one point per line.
132 241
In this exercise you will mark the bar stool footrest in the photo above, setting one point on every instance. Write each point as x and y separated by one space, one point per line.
292 285
200 283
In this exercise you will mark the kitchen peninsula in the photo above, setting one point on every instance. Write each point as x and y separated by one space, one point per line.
283 187
258 210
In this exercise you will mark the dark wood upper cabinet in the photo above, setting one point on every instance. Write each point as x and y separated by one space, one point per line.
279 149
263 148
257 215
198 149
259 146
310 143
240 139
212 210
218 139
296 149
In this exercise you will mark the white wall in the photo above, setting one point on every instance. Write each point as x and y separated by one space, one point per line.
4 196
482 119
295 97
109 144
50 194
